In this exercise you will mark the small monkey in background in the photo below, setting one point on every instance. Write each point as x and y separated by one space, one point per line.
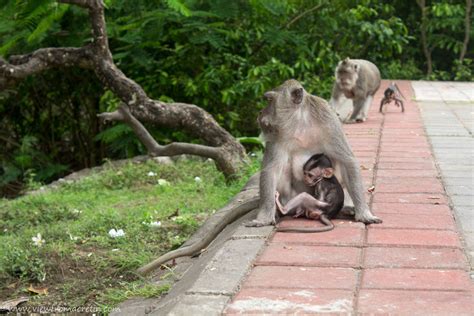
390 94
358 80
324 203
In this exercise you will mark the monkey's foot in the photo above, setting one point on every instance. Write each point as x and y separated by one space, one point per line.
259 223
367 217
354 121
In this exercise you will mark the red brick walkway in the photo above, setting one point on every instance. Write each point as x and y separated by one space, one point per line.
413 263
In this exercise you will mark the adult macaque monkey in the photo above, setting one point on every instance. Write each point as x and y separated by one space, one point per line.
296 125
356 79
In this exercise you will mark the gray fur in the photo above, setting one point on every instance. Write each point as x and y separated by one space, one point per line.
361 91
298 132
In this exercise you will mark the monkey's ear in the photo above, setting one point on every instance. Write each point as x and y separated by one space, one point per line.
297 95
328 172
346 60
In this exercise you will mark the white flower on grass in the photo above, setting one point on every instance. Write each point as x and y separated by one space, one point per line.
197 179
76 211
38 240
177 218
152 174
163 182
116 233
73 238
152 224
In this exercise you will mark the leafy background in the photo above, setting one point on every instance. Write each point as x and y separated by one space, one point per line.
221 55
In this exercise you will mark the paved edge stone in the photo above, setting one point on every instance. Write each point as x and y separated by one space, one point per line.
200 304
450 152
223 273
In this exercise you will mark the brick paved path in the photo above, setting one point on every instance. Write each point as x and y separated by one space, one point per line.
413 263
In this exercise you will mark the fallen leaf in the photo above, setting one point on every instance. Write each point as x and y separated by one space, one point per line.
10 304
39 290
363 167
371 189
12 285
287 247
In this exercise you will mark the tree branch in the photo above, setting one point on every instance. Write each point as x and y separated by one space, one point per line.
228 153
123 114
20 66
316 7
424 41
467 30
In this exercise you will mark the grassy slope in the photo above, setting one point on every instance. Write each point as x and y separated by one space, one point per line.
80 263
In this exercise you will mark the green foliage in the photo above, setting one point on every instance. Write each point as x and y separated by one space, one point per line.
22 261
464 71
30 163
121 141
445 20
129 290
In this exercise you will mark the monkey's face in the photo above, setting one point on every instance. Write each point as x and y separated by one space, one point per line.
347 74
311 177
289 95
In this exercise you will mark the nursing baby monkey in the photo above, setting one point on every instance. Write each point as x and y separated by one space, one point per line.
323 204
296 125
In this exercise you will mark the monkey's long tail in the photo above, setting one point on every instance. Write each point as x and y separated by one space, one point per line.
326 221
232 215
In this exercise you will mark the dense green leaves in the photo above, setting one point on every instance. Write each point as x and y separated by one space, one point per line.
218 54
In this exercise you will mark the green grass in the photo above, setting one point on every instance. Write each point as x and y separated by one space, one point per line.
79 262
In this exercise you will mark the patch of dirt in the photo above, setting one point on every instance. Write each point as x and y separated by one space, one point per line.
72 279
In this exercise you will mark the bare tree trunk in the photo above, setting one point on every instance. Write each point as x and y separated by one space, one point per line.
467 30
424 41
226 151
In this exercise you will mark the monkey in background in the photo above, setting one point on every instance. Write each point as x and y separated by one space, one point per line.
358 80
390 94
296 125
323 204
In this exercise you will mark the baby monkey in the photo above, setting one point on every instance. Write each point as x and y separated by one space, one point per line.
390 94
325 202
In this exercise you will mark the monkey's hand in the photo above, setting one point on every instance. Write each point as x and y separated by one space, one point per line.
366 217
